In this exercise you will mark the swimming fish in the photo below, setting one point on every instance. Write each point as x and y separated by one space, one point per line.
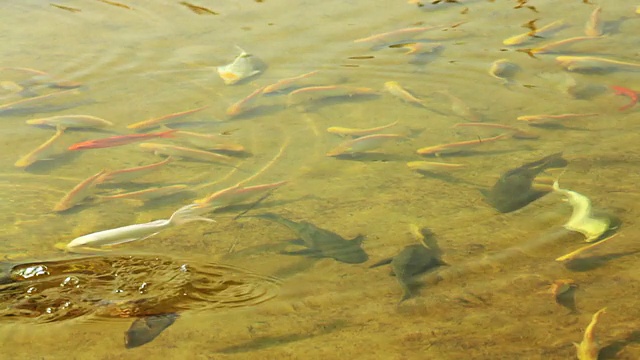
582 219
592 63
42 152
411 261
119 140
185 152
358 132
243 66
151 193
212 142
236 195
514 190
313 93
543 118
536 34
588 348
594 27
79 192
134 232
434 166
395 89
320 242
129 174
632 94
457 146
557 46
163 119
245 104
397 35
284 83
362 144
72 121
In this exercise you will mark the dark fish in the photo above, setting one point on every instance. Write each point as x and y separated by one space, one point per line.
514 190
411 261
146 329
320 242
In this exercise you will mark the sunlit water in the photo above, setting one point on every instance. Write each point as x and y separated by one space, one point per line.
492 302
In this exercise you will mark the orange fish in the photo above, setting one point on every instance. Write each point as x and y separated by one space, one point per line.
119 140
632 94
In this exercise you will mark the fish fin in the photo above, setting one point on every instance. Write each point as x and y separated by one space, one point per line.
189 213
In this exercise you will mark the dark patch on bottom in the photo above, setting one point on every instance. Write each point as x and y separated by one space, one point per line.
145 329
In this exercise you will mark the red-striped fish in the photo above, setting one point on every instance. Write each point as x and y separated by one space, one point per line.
119 140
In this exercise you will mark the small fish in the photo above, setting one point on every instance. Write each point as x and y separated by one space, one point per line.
42 152
284 83
162 119
67 8
198 9
592 63
235 195
119 140
397 35
312 93
514 189
129 174
538 119
395 89
321 243
134 232
594 26
434 166
358 132
362 144
457 146
517 133
558 46
243 66
588 349
72 121
210 141
184 152
144 330
245 104
560 287
574 254
79 193
29 101
631 94
116 4
504 70
147 194
411 261
582 219
535 34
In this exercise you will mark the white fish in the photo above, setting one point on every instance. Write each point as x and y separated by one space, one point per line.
242 67
135 232
582 219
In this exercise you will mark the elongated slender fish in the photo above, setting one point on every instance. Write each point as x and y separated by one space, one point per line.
558 46
80 192
592 63
236 194
397 35
546 117
165 118
588 348
434 166
129 174
284 83
72 121
245 104
312 93
395 89
358 132
184 152
362 144
457 146
41 152
538 33
135 232
147 194
119 140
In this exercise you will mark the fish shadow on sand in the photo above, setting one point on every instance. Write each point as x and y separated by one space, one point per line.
594 262
445 177
41 167
261 343
612 350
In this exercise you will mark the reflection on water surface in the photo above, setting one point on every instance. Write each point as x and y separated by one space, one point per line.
389 120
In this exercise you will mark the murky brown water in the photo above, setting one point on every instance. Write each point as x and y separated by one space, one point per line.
159 57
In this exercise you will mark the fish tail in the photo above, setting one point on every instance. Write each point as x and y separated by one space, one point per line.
188 214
